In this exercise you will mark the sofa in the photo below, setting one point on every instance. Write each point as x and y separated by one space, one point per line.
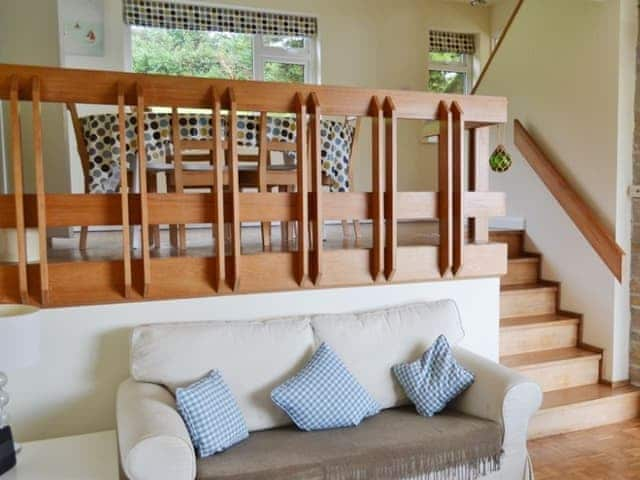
256 356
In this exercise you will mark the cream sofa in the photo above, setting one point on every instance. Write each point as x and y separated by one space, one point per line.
256 356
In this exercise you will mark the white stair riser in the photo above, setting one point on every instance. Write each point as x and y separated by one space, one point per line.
521 273
540 301
565 374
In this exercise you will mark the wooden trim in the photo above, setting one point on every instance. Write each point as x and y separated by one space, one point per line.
303 189
391 193
616 384
445 210
178 170
18 190
316 180
457 117
124 196
218 191
71 85
479 180
235 190
377 169
583 216
41 204
263 163
144 211
495 50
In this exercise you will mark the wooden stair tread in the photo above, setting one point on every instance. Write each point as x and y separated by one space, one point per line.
583 394
528 321
541 285
545 357
525 257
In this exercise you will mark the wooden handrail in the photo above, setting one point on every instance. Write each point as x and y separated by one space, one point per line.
582 215
495 50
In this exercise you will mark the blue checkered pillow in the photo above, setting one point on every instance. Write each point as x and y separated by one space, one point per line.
324 394
434 380
211 414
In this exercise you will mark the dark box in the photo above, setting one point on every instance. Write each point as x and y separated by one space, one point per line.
7 450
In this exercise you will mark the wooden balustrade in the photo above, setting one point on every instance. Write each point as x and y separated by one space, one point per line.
138 275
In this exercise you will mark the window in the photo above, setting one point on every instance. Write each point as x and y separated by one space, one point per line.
238 56
450 72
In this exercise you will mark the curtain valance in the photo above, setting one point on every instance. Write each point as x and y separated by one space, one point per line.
452 42
152 13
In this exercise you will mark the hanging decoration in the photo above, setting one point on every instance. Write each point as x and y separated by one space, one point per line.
500 160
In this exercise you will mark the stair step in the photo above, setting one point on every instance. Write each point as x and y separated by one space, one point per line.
513 238
557 369
579 408
526 300
522 271
538 332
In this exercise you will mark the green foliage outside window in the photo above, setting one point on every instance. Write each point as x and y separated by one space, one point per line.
446 82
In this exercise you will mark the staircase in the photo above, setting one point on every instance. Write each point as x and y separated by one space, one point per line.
544 343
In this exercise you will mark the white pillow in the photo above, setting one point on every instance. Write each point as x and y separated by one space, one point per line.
253 358
370 343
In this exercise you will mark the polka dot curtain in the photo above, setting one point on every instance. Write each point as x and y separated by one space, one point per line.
151 13
452 42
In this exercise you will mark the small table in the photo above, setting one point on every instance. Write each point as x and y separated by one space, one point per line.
83 457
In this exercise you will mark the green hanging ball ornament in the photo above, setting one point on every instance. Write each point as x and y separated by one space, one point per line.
500 160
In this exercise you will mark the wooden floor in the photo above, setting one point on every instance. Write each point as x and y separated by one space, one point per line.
605 453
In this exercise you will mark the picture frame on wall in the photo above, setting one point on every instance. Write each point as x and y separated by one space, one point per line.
83 27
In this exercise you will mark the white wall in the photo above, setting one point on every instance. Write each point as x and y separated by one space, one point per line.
85 350
568 70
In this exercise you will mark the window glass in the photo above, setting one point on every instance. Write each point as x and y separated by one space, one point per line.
283 72
185 52
446 82
289 43
446 57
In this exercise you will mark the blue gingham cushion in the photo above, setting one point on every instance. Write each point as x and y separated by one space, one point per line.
324 394
434 380
211 414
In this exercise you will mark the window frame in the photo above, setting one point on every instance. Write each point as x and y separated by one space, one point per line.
309 56
466 67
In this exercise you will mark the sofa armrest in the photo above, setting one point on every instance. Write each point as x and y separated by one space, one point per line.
499 394
152 438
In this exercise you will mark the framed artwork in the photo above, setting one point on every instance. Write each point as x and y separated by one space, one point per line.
83 27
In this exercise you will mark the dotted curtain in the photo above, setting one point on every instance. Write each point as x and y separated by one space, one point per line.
452 42
151 13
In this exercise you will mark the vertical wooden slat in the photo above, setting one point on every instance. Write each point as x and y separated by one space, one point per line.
303 191
178 173
218 169
235 189
377 260
457 117
391 180
18 189
479 179
316 179
263 161
144 212
124 193
444 189
40 191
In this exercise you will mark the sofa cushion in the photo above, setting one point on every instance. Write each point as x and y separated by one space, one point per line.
396 444
434 380
211 415
370 343
253 357
324 395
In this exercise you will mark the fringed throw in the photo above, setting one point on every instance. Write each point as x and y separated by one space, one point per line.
397 444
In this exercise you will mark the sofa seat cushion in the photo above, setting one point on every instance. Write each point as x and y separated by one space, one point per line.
394 445
252 357
371 343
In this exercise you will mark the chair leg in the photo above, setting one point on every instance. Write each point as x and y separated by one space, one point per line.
84 233
284 226
356 229
154 230
345 228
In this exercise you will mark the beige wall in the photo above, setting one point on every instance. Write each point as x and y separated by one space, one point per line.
567 69
364 43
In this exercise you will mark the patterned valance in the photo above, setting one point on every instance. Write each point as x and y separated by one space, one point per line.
452 42
151 13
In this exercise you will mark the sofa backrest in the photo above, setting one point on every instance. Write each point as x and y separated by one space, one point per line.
256 356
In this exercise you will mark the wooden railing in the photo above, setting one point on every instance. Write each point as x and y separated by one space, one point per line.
137 276
582 215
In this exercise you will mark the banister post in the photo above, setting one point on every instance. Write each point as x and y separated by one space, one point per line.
445 212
